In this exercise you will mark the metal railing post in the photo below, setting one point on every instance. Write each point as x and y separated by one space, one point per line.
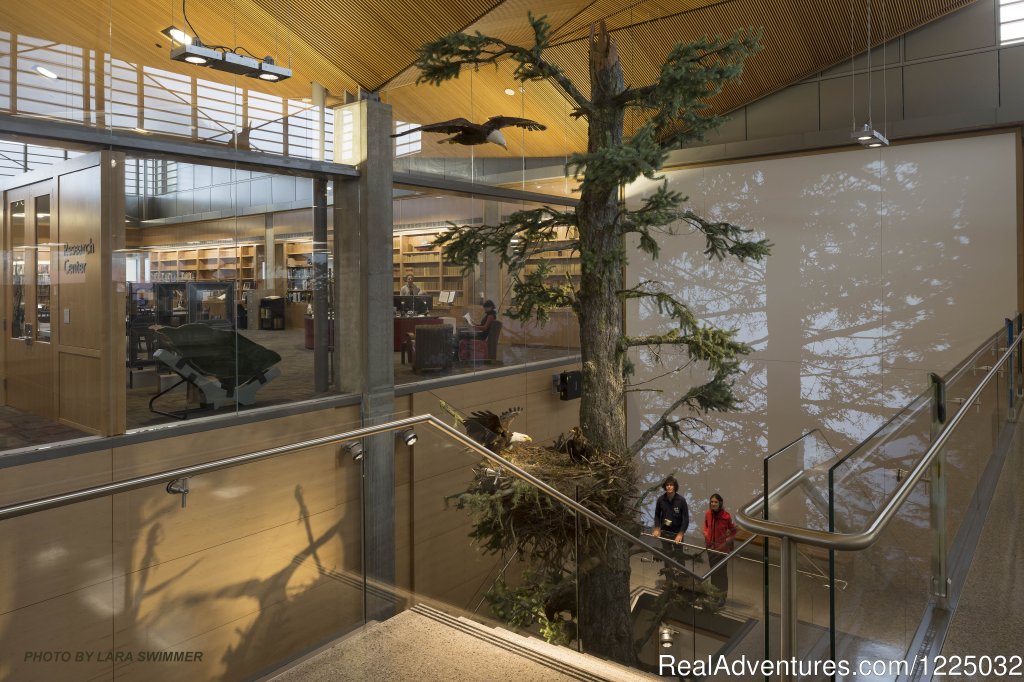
1011 382
787 607
1020 359
937 496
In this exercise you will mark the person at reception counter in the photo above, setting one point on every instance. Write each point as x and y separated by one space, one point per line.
409 288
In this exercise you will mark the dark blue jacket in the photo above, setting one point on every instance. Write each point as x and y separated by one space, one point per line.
672 517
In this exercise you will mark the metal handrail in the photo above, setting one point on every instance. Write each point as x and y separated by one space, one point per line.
722 562
747 517
54 501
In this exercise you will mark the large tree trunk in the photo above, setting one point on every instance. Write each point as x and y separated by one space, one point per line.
605 621
602 411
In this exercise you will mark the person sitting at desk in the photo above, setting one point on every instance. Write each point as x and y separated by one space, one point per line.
481 330
409 288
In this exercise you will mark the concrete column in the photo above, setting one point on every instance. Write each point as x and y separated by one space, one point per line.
320 285
489 272
272 282
363 217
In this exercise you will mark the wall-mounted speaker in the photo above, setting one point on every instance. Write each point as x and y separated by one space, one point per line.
568 385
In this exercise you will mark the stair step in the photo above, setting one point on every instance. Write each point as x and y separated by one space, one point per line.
427 643
598 668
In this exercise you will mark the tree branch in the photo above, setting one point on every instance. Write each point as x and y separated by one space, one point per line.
443 59
714 395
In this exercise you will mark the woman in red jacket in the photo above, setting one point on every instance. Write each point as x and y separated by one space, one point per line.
719 531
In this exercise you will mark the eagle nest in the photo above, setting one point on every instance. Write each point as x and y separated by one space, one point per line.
510 514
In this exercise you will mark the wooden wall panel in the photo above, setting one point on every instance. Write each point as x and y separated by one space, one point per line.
80 378
265 560
78 273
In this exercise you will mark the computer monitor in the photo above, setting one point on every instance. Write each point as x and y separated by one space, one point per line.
419 304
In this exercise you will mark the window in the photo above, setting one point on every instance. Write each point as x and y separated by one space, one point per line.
1011 21
410 144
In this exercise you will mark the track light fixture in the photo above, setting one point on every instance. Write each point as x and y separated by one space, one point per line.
866 135
869 137
195 53
355 449
191 50
410 437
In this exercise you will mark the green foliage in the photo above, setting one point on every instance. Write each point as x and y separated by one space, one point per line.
541 600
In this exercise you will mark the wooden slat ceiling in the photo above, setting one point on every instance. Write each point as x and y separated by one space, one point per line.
370 44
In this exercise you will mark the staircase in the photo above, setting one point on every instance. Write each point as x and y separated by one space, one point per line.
429 644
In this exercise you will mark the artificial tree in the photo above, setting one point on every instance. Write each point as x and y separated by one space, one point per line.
673 112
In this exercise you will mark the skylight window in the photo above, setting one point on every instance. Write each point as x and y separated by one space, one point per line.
1011 21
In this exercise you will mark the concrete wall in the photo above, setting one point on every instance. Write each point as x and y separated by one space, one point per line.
887 264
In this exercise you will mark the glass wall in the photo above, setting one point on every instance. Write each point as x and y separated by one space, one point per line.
117 72
222 271
451 301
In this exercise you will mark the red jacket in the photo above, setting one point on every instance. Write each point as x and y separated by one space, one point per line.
719 530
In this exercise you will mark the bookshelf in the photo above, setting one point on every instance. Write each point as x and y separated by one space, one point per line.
207 264
560 257
414 254
298 258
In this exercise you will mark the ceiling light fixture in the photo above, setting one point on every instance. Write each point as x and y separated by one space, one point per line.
866 135
509 91
196 53
270 71
43 71
191 50
176 35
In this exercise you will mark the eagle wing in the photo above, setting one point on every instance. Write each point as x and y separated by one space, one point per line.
486 429
460 419
509 416
456 125
496 122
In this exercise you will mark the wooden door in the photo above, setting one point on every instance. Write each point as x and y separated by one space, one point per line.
27 329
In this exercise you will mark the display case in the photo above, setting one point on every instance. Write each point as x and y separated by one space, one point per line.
212 303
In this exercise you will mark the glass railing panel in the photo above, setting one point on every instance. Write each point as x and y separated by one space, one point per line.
262 564
811 641
488 546
464 551
863 481
969 447
801 469
881 592
796 485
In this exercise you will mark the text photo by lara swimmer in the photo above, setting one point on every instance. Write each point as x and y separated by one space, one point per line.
970 666
113 657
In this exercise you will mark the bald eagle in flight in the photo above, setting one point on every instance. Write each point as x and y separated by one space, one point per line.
490 430
469 133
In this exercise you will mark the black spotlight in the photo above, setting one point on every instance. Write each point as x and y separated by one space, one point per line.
410 437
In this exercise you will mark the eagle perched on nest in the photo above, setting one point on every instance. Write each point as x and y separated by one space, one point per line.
490 430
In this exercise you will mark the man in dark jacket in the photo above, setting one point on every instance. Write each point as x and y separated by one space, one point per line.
671 518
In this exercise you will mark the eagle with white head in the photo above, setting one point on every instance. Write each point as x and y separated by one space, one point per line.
466 132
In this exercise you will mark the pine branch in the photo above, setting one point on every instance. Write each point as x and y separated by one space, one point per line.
515 240
535 299
727 239
715 395
443 59
710 344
